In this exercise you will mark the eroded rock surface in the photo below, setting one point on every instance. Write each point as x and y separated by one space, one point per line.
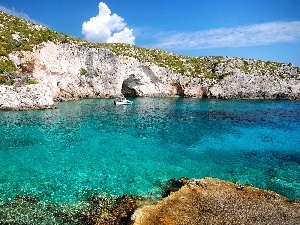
73 72
70 71
33 96
189 202
212 201
254 86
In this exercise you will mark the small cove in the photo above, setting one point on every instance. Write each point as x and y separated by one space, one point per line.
90 146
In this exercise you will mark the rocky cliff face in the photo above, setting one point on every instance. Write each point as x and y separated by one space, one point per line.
259 83
25 97
68 68
72 72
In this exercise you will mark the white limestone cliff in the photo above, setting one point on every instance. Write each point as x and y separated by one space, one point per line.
255 86
26 97
71 72
66 71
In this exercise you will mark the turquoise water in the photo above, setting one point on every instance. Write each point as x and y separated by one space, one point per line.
91 146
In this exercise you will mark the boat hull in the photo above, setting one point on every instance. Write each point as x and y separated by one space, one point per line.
123 103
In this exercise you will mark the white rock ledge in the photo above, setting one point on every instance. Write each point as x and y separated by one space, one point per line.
34 96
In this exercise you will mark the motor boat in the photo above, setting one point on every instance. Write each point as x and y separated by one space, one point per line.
122 101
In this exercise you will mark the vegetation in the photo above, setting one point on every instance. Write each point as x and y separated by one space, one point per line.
190 66
83 71
213 68
31 82
18 34
7 68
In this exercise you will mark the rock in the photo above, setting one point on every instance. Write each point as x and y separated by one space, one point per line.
71 72
26 198
172 185
15 59
252 86
26 97
110 211
212 201
198 201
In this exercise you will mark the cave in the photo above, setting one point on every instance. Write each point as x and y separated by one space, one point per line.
178 89
205 92
128 91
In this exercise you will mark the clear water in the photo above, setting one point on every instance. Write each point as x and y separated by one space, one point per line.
91 146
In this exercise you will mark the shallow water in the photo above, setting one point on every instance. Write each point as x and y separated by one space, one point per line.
91 146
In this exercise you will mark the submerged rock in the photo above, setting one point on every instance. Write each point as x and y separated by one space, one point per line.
197 201
27 198
212 201
110 211
96 210
172 185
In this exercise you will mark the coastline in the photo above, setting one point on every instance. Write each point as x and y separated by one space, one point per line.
37 97
184 201
37 72
63 72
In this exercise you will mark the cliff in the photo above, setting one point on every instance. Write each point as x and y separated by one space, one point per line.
60 68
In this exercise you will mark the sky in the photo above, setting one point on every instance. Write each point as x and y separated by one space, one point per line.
256 29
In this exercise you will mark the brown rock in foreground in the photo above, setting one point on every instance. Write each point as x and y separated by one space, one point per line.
212 201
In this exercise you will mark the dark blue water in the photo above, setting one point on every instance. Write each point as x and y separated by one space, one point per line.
91 146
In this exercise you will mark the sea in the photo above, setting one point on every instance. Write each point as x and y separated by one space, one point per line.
87 147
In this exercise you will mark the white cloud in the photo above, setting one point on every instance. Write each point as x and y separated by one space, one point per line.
124 36
107 27
252 35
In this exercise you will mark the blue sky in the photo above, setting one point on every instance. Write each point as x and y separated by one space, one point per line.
258 29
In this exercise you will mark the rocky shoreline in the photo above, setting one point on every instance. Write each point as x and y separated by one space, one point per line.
60 68
184 201
212 201
65 72
25 97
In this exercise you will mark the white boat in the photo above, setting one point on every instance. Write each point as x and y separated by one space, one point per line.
122 101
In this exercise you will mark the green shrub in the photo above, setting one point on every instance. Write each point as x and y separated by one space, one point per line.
83 71
6 79
26 47
7 69
32 82
2 50
3 79
7 66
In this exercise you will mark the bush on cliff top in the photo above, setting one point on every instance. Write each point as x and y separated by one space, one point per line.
19 34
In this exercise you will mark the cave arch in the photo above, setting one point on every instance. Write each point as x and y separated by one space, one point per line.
128 91
178 89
